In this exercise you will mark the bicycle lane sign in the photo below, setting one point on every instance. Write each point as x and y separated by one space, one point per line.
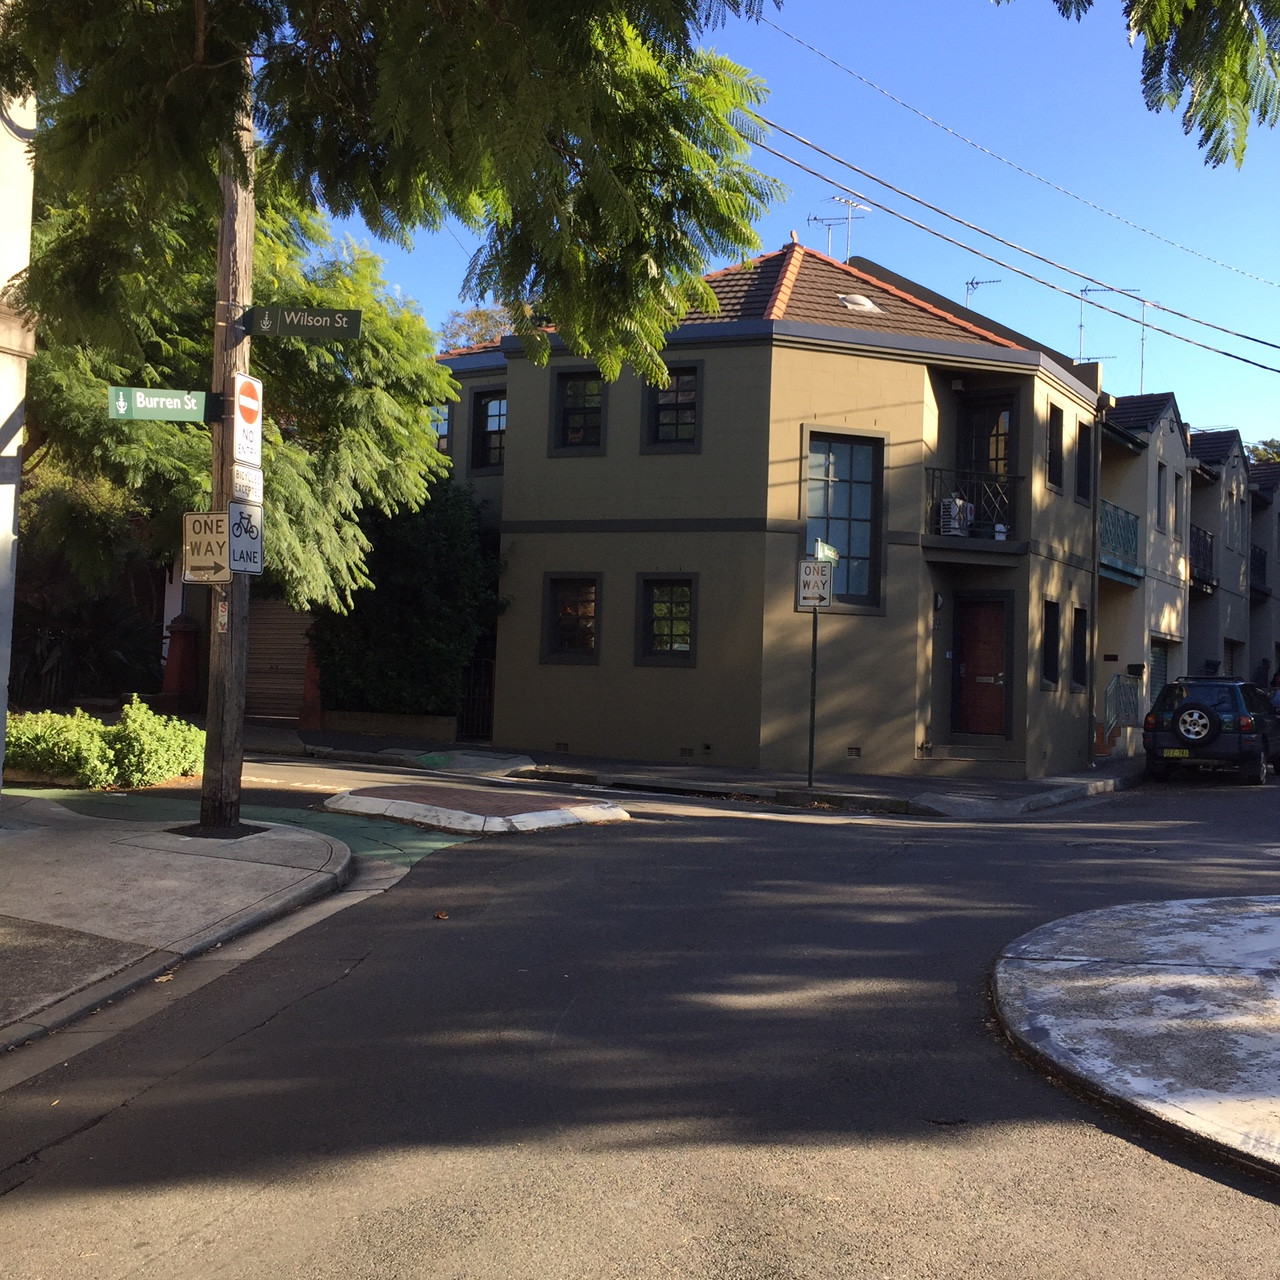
244 520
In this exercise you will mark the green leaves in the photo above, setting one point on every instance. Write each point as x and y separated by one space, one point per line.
1217 59
605 156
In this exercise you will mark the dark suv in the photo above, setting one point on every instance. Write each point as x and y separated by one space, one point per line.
1212 721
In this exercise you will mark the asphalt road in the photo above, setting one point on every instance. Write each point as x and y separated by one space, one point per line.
717 1042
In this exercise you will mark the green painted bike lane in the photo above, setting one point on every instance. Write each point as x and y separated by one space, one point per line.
366 837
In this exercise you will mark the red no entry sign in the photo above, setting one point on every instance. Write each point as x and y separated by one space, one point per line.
246 397
248 401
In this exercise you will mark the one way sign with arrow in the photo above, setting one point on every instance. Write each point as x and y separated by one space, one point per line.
204 547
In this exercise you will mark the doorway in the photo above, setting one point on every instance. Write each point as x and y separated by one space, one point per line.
980 668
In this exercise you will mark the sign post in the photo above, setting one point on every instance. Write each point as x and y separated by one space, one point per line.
815 590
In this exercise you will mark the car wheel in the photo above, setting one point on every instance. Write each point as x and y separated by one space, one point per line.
1253 769
1196 725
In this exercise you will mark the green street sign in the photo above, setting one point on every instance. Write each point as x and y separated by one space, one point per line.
156 404
315 324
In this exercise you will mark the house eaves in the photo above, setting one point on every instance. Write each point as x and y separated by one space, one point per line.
1130 440
883 346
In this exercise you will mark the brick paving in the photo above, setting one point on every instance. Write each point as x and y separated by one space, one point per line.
488 802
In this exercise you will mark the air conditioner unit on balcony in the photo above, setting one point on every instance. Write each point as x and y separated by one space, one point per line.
954 517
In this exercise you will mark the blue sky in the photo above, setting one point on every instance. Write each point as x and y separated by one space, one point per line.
1059 98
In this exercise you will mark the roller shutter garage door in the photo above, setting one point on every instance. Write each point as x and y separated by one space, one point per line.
277 660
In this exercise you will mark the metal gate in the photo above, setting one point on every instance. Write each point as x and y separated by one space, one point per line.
475 711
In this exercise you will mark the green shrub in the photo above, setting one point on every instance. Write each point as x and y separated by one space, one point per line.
141 749
58 746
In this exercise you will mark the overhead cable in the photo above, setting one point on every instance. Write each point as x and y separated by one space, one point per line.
1010 244
1007 266
1013 164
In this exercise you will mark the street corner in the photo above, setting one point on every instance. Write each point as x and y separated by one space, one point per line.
473 811
1169 1008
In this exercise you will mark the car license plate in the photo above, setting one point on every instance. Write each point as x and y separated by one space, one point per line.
1176 753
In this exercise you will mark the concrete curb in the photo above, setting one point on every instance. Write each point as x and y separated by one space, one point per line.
463 823
319 883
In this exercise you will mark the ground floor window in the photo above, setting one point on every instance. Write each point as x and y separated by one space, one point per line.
571 616
1080 648
1050 642
666 619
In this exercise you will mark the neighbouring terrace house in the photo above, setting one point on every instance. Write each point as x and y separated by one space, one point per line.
1264 571
651 537
1143 569
1219 542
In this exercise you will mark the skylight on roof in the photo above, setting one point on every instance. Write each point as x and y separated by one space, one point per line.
858 302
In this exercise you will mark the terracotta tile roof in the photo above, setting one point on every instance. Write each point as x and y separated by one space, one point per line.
468 351
1141 413
800 284
1213 446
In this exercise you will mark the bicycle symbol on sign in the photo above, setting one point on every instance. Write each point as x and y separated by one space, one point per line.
245 528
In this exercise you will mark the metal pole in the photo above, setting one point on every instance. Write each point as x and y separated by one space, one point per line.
813 693
229 649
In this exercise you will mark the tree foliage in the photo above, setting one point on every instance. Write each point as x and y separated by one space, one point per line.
348 425
600 154
1263 451
405 644
474 326
1217 59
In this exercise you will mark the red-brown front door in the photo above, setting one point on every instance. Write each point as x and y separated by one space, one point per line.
979 667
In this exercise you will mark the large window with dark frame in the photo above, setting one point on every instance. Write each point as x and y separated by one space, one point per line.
488 429
1053 472
580 411
1051 642
571 615
1084 461
844 497
673 411
1080 648
666 620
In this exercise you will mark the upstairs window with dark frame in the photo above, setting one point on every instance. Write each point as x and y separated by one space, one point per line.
666 618
1084 461
571 614
984 441
1051 642
1079 648
579 412
1053 451
488 429
844 498
674 422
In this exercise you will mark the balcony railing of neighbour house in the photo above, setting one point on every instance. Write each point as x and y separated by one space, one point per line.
1201 548
1123 703
970 504
1258 571
1118 538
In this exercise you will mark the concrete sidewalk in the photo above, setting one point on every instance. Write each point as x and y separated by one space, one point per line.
1171 1009
91 908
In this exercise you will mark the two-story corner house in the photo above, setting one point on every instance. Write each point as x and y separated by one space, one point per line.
1219 541
651 537
1264 572
1143 563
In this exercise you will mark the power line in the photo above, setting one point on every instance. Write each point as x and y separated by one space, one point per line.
995 155
1008 244
1007 266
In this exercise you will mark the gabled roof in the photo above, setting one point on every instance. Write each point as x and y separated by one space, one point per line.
1142 413
1266 475
1214 447
799 284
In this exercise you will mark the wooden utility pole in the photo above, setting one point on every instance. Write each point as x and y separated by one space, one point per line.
229 647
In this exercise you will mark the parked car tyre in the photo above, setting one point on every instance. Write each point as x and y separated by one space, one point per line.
1197 725
1253 770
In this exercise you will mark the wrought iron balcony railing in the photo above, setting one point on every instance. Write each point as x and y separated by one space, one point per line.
1118 533
970 504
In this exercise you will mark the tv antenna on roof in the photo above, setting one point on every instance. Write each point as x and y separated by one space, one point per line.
814 220
850 206
1105 289
971 285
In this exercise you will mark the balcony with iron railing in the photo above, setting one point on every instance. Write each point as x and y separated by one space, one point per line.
1258 587
1201 548
1118 542
970 504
